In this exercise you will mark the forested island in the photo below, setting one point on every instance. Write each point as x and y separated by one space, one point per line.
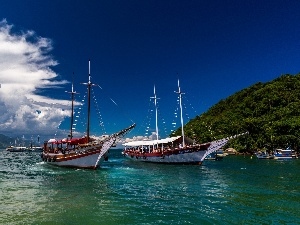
270 112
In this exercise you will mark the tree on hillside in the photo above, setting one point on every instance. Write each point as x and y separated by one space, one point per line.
270 112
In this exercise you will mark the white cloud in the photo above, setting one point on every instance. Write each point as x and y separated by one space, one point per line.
25 66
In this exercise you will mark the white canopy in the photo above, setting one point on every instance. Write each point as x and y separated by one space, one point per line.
51 140
151 142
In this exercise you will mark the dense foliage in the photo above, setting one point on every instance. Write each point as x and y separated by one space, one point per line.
268 111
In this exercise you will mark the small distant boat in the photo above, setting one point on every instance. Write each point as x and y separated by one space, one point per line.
9 148
24 149
285 154
230 151
264 155
218 155
221 153
213 156
16 149
172 150
84 152
17 146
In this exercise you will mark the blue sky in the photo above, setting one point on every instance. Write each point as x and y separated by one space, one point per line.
214 47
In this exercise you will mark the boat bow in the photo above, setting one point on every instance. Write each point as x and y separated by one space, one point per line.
216 145
110 141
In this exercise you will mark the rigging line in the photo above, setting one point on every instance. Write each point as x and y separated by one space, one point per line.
188 103
113 101
108 96
124 113
149 118
145 122
101 122
163 124
79 112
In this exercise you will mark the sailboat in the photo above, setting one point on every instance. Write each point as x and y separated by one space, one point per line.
17 147
85 152
172 150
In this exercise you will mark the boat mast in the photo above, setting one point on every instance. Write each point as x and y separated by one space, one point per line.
156 126
72 92
89 84
181 119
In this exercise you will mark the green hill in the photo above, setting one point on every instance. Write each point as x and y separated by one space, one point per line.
270 112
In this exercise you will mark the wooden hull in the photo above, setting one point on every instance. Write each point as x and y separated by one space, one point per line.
78 155
173 157
194 154
84 159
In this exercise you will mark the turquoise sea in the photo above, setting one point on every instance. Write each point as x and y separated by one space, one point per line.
236 190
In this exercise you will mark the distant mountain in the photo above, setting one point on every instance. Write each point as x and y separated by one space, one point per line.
5 141
270 112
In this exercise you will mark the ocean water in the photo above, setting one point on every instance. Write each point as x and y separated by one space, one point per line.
236 190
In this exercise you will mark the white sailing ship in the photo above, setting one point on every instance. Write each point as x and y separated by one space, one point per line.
172 150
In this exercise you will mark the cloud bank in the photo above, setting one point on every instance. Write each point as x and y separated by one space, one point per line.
25 67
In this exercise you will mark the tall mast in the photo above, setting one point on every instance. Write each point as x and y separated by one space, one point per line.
181 119
72 92
156 126
89 84
89 104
